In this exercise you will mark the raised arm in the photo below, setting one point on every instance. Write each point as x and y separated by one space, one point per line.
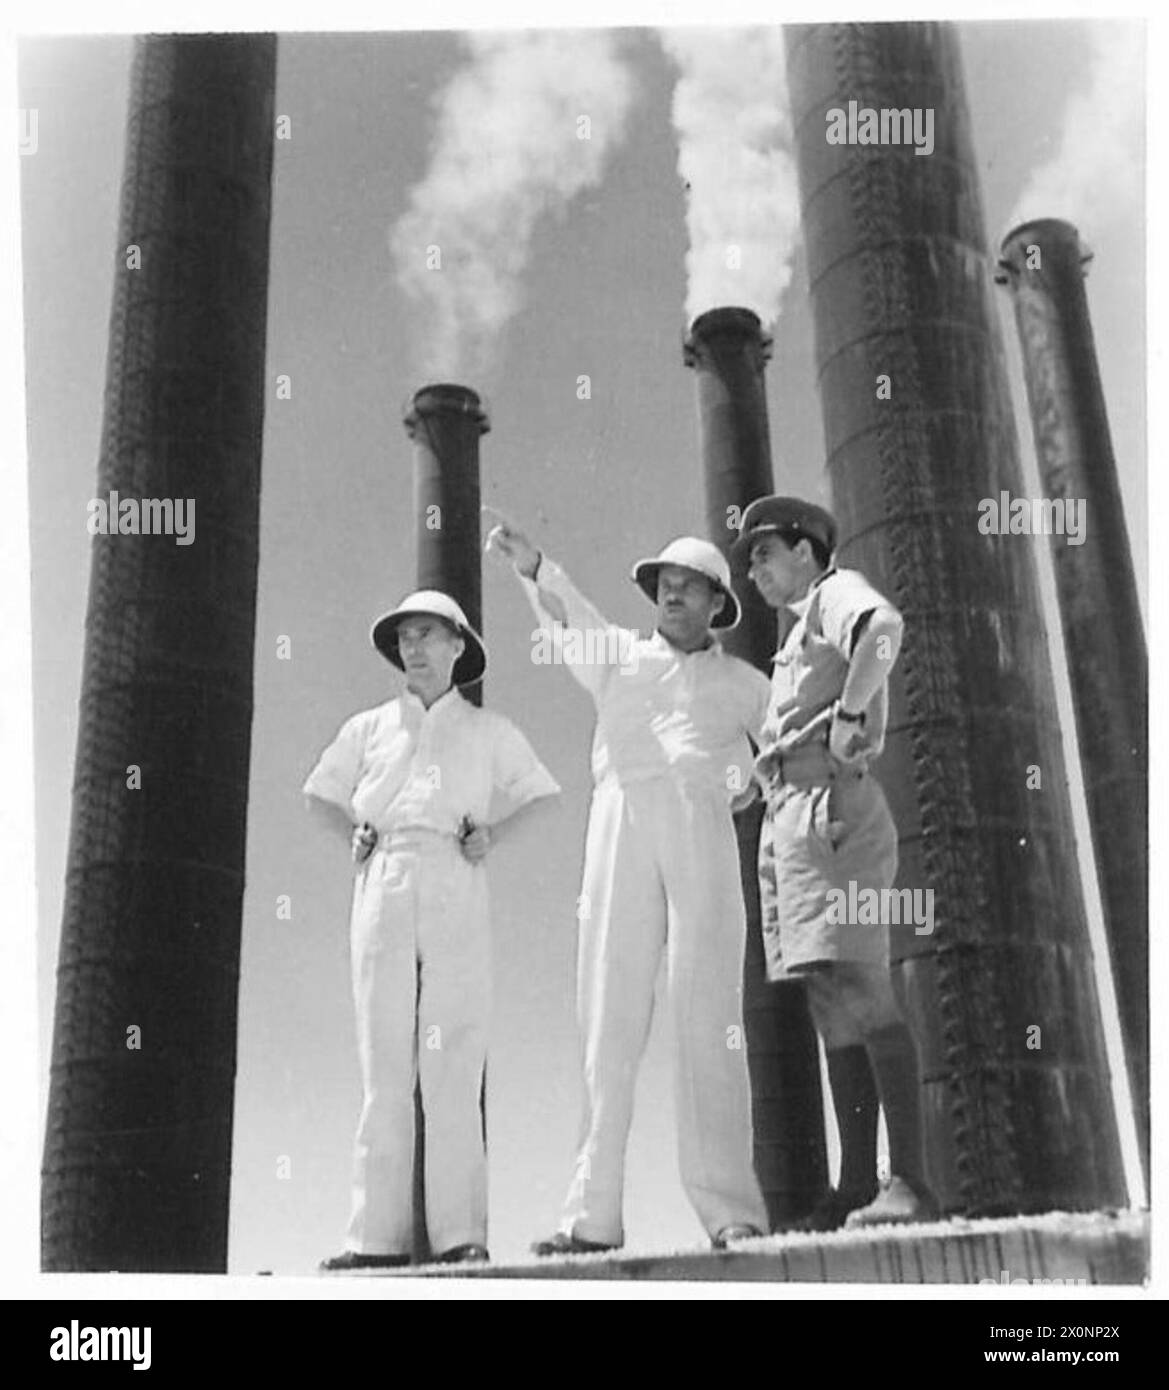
581 636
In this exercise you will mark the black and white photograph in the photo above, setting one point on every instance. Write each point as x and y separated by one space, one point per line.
585 704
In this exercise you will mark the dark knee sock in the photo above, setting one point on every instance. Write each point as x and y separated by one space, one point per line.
854 1098
894 1057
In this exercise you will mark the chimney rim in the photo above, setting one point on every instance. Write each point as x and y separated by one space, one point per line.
1059 227
726 320
446 398
723 318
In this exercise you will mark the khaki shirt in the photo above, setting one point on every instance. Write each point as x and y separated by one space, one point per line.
809 670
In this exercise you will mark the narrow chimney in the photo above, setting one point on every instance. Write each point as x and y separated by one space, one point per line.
919 430
445 423
728 350
137 1159
1043 264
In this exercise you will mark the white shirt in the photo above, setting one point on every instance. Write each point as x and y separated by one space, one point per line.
660 711
810 667
402 765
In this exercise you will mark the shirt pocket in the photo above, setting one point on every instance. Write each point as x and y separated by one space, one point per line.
821 672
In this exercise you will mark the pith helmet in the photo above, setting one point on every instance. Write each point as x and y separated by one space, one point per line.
432 603
703 558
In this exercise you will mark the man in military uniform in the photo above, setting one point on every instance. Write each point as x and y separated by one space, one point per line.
828 826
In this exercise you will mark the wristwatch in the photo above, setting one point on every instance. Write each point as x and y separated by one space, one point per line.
842 713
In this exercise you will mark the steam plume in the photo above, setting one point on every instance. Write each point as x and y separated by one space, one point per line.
734 153
1097 172
521 129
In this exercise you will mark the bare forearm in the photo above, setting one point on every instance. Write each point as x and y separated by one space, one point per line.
504 830
330 818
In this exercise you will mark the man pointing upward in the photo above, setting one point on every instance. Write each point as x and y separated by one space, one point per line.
661 873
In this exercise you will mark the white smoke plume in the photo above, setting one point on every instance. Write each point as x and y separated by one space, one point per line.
735 154
521 129
1097 172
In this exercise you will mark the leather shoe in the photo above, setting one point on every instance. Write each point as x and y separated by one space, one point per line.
831 1211
729 1235
899 1203
564 1244
463 1255
350 1260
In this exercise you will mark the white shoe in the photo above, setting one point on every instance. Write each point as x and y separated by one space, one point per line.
897 1204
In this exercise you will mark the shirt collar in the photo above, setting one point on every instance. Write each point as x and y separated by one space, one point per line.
801 605
447 701
666 645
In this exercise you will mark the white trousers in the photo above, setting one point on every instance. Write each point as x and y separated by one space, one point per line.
422 993
662 873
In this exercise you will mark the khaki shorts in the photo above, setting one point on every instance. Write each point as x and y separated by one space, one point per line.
818 841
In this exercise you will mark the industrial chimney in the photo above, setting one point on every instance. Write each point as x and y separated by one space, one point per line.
728 350
1043 264
445 422
919 430
137 1160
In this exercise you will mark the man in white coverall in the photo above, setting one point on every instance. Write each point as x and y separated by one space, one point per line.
828 828
422 784
661 873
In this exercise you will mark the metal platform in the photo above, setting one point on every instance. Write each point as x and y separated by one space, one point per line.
1053 1250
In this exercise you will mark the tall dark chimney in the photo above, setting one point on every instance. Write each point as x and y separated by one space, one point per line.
728 349
445 423
137 1157
1043 264
919 430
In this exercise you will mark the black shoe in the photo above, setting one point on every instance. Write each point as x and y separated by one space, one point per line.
729 1235
831 1211
350 1260
463 1255
563 1244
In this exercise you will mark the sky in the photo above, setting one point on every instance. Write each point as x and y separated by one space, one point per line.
600 483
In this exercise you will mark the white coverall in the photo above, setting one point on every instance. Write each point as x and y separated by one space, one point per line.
420 951
661 872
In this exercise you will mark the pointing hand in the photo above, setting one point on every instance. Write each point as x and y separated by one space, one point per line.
512 544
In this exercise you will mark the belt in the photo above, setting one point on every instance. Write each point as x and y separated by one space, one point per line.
807 765
413 837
